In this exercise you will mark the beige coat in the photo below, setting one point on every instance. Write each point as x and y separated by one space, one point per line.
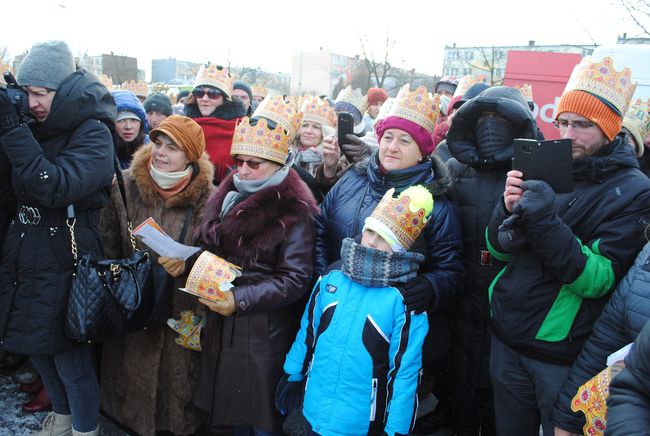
146 378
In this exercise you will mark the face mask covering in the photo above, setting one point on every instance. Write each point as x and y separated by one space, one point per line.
493 135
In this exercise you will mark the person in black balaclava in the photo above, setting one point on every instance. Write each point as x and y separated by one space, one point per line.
480 141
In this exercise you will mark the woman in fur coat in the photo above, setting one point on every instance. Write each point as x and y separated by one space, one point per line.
262 219
147 379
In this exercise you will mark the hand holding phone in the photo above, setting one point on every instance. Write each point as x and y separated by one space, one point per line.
345 126
549 160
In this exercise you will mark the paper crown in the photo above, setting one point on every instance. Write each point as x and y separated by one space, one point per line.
317 110
261 141
3 69
465 83
637 121
139 88
210 276
526 91
106 81
403 217
215 75
602 80
281 112
259 91
419 106
188 327
354 97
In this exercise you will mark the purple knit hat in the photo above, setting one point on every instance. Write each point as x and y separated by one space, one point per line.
421 135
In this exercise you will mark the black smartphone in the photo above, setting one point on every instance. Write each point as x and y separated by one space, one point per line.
550 160
345 126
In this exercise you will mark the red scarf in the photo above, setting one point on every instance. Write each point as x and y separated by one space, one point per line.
218 140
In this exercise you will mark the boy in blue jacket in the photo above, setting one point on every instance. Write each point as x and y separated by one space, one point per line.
358 347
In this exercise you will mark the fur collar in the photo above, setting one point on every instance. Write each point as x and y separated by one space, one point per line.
229 110
191 195
259 222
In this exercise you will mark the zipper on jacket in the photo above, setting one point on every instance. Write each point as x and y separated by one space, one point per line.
373 400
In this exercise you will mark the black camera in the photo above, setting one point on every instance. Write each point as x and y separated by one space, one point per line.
16 94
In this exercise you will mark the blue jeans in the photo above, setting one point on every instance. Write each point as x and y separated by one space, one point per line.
524 391
72 385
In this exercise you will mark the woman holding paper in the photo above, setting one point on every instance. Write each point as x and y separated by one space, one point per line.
147 378
262 219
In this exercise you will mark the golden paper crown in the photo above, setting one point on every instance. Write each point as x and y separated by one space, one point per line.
261 141
354 97
526 91
259 91
140 88
281 112
602 80
317 110
465 83
292 101
637 121
405 220
107 81
210 276
215 75
418 106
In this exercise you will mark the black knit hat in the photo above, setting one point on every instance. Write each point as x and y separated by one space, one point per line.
240 84
158 102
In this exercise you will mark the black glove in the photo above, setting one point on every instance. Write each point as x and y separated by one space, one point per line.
536 202
289 395
417 293
510 234
9 118
354 149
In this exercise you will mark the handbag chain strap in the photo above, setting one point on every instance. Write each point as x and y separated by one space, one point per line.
73 242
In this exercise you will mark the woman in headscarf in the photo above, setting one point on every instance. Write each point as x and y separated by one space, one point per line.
131 126
148 379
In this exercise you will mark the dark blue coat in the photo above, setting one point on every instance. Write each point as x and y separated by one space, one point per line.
624 316
355 196
66 159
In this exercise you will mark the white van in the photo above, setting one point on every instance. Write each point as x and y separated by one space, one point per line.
634 56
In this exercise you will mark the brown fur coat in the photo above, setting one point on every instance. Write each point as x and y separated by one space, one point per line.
147 379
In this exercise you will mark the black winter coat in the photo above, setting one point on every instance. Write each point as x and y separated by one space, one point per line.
628 405
66 159
624 316
545 301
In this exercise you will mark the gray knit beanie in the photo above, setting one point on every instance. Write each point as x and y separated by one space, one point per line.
47 64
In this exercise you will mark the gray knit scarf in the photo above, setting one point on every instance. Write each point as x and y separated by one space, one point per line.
375 268
245 188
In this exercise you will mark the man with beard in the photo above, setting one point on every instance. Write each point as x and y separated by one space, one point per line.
565 253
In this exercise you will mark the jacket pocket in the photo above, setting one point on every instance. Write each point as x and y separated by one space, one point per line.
373 400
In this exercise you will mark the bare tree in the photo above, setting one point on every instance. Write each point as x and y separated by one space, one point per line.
377 70
249 75
488 63
639 12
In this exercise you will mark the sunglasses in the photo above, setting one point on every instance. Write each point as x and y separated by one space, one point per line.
213 94
252 164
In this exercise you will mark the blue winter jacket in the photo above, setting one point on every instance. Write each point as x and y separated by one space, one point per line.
361 352
356 195
624 316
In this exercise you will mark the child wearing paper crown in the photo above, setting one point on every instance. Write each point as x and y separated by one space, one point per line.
358 353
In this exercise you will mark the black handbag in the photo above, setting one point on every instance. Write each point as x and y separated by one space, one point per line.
109 297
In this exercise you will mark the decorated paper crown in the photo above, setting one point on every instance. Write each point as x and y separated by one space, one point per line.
140 88
602 80
215 75
401 220
319 111
210 276
526 91
355 98
281 112
465 83
259 91
261 141
637 121
107 81
188 327
419 106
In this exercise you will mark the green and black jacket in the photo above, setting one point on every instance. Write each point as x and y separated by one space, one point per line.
545 300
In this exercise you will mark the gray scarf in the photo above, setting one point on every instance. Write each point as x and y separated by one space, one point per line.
246 188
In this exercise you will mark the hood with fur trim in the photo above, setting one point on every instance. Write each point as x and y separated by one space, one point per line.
259 222
191 195
229 110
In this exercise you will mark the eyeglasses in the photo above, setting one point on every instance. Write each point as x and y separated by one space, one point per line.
577 125
213 94
252 164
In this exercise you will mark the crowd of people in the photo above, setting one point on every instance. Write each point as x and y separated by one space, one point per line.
404 259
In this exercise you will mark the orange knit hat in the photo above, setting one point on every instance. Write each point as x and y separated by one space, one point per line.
592 108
